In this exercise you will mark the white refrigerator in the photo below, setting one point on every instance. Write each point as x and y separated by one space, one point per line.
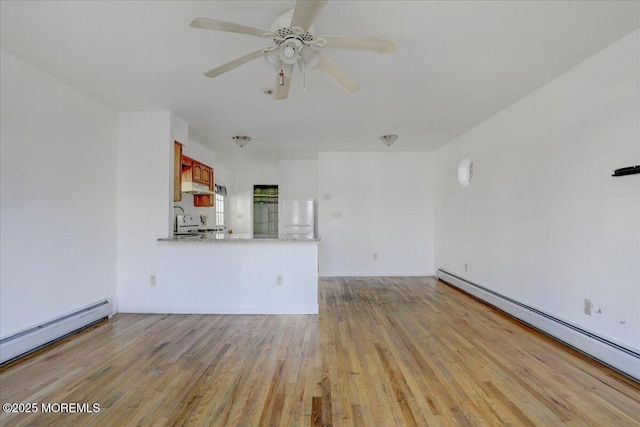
298 219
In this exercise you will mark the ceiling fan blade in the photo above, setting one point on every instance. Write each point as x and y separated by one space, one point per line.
282 91
234 64
212 24
361 43
336 73
306 12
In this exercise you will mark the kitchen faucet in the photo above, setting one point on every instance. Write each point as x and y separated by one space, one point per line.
175 220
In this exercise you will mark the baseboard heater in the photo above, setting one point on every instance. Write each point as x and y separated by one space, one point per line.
621 359
31 339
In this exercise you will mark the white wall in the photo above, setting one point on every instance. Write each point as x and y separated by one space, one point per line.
145 146
298 179
180 130
240 196
376 202
543 222
221 174
58 196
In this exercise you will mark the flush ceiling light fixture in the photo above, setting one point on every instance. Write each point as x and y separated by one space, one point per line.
241 141
388 139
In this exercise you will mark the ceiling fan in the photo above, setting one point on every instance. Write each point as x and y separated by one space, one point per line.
295 42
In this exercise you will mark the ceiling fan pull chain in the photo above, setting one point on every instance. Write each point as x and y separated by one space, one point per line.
281 77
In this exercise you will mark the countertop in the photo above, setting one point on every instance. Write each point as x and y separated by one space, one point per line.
226 238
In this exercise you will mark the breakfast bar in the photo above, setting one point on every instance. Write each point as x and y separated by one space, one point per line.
230 274
230 238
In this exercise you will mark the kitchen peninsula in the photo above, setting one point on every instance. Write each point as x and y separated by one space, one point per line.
229 238
208 277
239 275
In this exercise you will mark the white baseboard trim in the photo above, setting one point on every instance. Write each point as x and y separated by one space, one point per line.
124 308
27 340
375 274
624 360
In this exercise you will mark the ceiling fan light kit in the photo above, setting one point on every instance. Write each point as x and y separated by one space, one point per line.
289 51
241 141
272 56
296 42
310 57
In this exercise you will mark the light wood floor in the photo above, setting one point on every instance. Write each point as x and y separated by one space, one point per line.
382 352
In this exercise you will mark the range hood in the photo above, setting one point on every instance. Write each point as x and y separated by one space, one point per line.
196 188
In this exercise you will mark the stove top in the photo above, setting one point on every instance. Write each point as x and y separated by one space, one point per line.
186 224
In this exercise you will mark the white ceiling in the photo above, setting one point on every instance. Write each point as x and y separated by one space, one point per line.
457 64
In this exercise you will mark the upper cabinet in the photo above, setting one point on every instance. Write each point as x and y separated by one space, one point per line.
202 174
206 175
198 179
177 171
203 200
197 172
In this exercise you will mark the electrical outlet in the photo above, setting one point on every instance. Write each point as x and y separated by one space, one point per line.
375 255
279 280
240 216
587 306
466 267
153 281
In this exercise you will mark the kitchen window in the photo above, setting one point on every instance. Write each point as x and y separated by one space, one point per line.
221 195
220 209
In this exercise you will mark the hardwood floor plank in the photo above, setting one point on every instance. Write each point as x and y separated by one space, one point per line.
316 411
384 351
403 395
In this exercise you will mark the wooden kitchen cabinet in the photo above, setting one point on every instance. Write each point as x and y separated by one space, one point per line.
206 175
203 200
202 174
177 171
186 168
195 172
